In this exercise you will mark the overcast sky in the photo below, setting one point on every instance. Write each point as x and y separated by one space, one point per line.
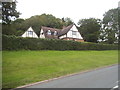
74 9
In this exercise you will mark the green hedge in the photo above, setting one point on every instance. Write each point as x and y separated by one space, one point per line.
19 43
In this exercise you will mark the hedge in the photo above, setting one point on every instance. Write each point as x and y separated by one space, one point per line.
19 43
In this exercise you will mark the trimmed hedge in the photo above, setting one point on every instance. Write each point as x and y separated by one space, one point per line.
19 43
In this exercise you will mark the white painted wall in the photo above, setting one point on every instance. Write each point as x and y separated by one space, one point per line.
74 29
33 35
64 36
42 35
70 33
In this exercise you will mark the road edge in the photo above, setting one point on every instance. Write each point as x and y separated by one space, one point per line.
68 75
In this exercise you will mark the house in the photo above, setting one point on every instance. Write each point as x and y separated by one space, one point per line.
51 33
30 33
67 33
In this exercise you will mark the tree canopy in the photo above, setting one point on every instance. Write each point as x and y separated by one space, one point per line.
109 31
9 12
37 21
89 29
67 21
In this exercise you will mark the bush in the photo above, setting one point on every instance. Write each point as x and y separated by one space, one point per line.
19 43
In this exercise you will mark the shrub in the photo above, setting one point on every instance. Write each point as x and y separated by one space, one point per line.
19 43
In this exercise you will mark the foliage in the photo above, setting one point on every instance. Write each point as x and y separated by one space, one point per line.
67 21
109 31
8 29
17 25
36 22
9 12
89 29
19 43
119 26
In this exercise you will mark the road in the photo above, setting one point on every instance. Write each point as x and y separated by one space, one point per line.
100 78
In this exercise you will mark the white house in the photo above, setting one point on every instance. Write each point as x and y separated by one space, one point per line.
67 33
30 33
71 33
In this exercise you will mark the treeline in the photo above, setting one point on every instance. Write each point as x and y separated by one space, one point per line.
19 26
92 29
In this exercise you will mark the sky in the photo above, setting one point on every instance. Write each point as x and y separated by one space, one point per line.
74 9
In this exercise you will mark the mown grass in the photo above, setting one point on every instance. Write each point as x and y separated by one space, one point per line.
24 67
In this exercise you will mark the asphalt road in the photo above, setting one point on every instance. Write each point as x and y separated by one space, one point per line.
101 78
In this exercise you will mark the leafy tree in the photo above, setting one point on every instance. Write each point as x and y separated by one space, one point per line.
119 25
8 29
9 12
18 21
17 25
89 29
67 21
47 20
37 21
109 31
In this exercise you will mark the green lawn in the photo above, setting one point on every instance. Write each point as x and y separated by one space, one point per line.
24 67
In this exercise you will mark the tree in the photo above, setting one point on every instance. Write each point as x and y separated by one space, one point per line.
9 12
89 29
109 31
48 20
37 21
119 25
67 21
17 25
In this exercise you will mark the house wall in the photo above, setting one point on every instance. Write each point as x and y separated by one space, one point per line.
71 35
64 36
41 34
26 34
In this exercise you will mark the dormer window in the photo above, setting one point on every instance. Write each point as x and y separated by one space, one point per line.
55 33
49 32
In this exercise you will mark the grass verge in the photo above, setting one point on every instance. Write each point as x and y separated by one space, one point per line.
24 67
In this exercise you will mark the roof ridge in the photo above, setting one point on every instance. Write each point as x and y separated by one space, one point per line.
49 28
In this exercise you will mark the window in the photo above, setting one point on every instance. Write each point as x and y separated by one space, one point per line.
30 33
73 33
49 32
55 33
